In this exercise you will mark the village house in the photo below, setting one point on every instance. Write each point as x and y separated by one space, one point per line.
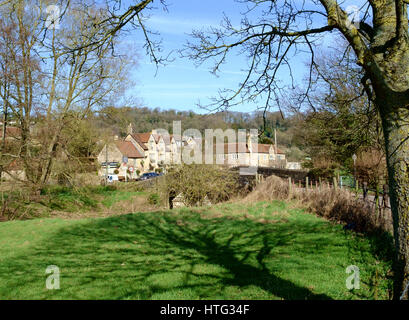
249 154
122 159
158 149
150 151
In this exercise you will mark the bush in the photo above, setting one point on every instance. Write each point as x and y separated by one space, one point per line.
198 184
55 190
103 189
334 204
154 199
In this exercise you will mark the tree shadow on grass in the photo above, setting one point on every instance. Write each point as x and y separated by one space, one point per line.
156 255
227 254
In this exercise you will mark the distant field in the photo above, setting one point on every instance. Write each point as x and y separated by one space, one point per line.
231 251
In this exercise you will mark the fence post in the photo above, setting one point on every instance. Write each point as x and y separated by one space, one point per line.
289 187
377 213
335 183
356 189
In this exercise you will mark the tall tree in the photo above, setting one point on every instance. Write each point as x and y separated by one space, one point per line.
380 42
271 31
341 120
48 82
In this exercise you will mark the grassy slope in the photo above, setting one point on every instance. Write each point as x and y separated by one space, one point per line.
81 201
262 251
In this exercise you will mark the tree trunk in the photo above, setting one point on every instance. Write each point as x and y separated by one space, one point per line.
395 120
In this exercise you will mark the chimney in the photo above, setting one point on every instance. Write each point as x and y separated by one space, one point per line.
252 140
130 129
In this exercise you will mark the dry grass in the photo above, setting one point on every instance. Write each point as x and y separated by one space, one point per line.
338 205
72 203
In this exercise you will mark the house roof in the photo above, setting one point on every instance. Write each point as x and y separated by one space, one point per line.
166 138
243 148
176 137
232 148
128 149
142 139
156 137
264 148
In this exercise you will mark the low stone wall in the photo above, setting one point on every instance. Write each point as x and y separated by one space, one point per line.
249 181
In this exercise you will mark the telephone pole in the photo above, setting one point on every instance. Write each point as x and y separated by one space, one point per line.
275 140
106 163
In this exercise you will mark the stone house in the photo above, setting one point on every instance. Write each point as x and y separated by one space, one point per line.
149 151
122 158
249 154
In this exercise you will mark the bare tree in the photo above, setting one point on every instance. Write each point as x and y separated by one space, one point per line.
273 31
49 82
380 42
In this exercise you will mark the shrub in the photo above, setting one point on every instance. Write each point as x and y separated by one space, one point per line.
55 190
154 199
334 204
103 189
199 183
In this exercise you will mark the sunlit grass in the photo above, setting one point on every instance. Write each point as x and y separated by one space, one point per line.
233 251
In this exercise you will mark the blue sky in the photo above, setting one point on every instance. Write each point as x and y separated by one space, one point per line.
180 84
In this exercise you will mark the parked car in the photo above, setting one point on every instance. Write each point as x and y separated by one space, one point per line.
112 178
147 176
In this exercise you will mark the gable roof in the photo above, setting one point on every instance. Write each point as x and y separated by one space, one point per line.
156 137
264 148
279 151
166 138
141 139
128 149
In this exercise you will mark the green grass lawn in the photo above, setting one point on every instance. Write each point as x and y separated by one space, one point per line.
231 251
